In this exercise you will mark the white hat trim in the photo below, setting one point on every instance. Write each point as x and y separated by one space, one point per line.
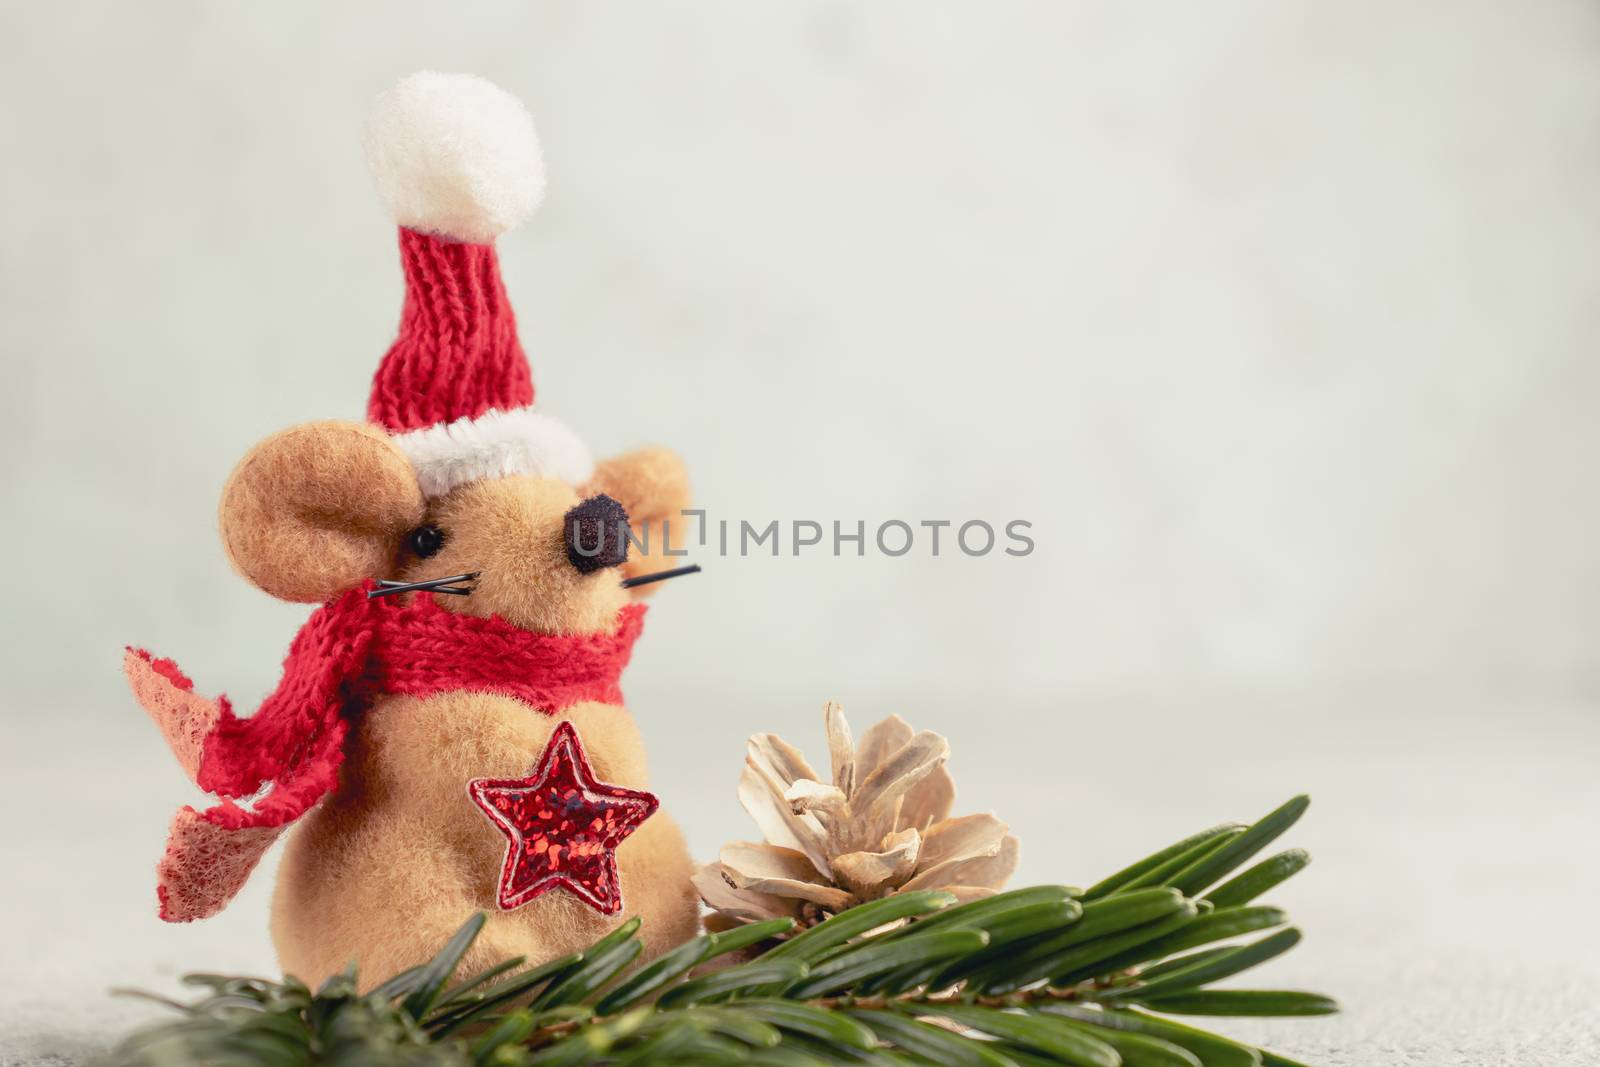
494 445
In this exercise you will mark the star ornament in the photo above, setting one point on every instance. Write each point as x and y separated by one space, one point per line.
562 826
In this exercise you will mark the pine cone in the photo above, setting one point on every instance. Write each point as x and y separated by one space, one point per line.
881 827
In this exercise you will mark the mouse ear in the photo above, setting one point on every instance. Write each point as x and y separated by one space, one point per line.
313 510
653 486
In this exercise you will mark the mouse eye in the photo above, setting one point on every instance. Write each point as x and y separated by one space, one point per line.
425 540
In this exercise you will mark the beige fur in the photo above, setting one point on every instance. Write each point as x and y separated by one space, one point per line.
653 485
509 531
385 869
312 510
402 837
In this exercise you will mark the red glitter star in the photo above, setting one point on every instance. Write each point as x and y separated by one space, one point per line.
562 826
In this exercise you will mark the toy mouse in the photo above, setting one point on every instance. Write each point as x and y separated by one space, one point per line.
439 747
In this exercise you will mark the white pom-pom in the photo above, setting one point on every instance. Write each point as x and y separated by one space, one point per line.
454 155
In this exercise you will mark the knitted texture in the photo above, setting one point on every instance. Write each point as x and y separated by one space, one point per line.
349 652
457 355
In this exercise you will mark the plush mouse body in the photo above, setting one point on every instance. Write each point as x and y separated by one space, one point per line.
437 753
399 831
401 827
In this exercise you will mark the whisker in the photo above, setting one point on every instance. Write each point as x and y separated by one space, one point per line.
429 581
660 576
436 585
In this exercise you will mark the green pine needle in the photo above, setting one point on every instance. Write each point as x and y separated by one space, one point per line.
1043 975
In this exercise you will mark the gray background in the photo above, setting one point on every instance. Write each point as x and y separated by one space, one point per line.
1277 320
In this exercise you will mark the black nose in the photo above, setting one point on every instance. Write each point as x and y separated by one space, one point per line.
596 532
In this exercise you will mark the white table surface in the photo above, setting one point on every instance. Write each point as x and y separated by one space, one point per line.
1450 905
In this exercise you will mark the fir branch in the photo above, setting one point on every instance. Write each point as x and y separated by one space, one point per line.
1043 975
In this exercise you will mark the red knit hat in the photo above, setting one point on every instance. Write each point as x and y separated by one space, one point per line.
457 162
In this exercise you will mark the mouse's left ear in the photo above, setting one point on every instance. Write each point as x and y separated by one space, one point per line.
313 510
653 486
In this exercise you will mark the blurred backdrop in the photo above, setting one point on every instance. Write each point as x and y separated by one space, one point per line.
1277 321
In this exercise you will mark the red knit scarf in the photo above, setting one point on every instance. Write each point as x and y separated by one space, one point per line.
349 652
